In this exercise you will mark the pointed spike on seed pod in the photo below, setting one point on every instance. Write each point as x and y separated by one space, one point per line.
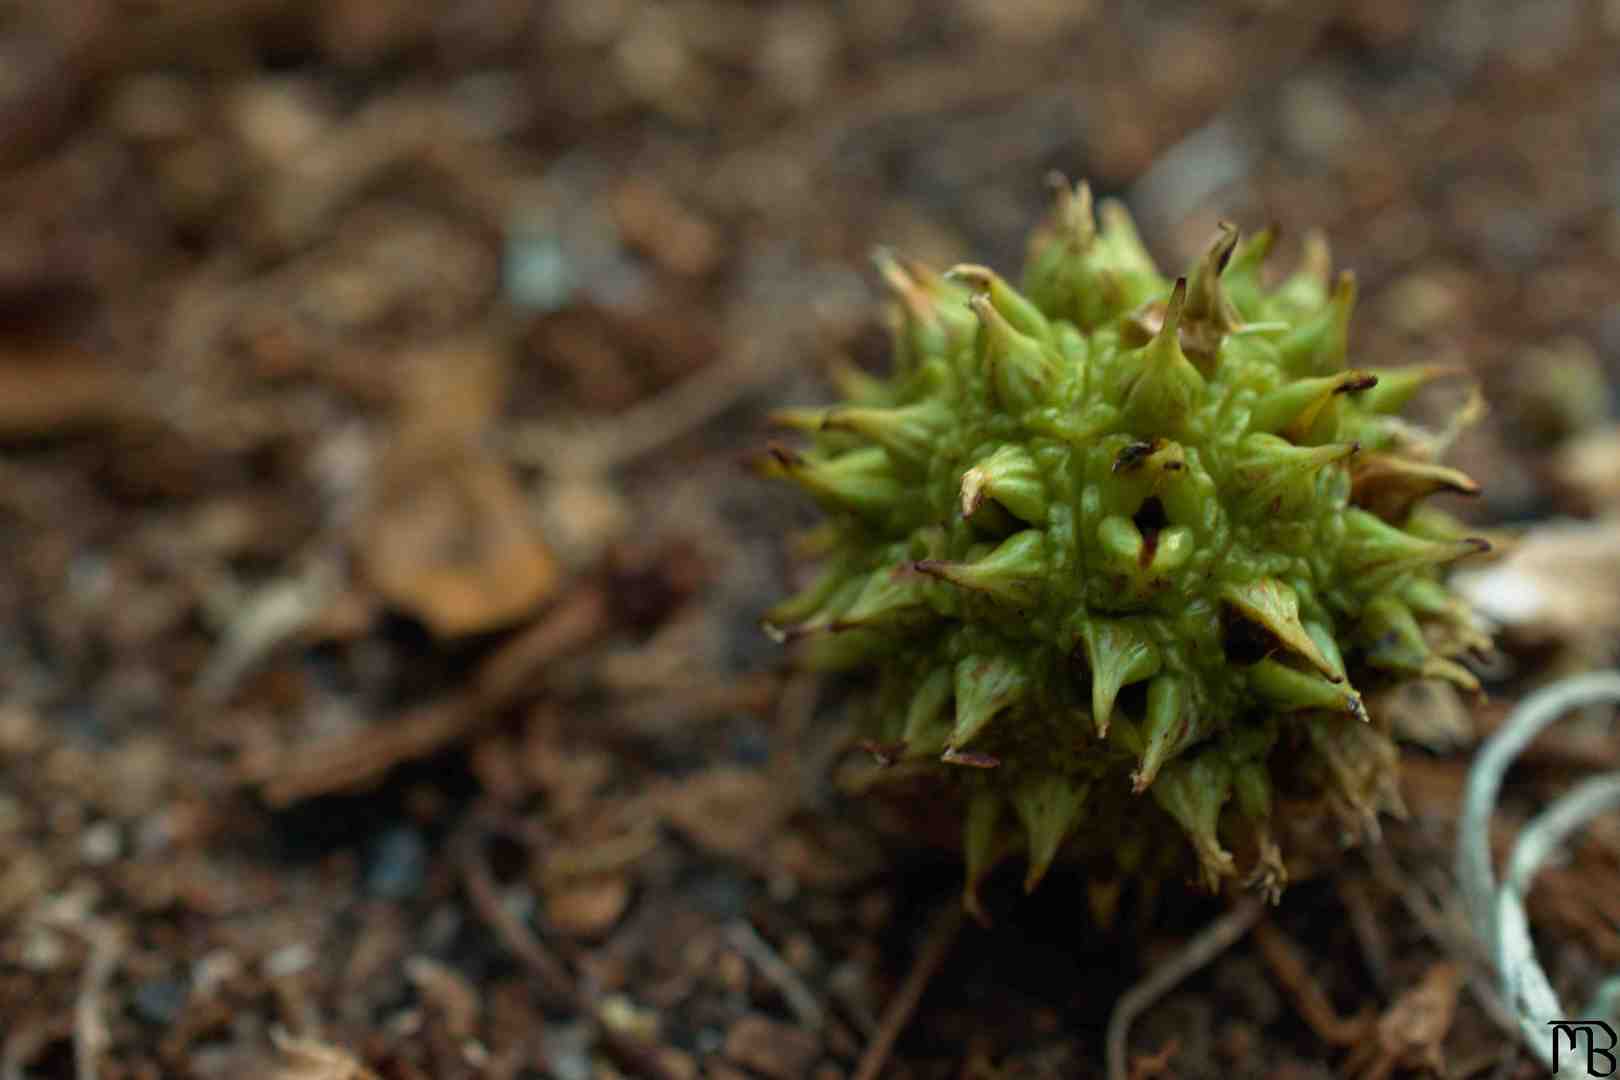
1267 456
1320 343
826 652
1433 523
928 721
1192 791
1430 599
1328 646
893 274
1020 367
1274 606
892 595
1390 486
1119 654
1206 300
816 542
1171 726
1252 251
856 385
833 588
1074 213
1011 478
923 327
1292 410
1056 274
1271 466
1008 302
1398 386
1049 808
949 300
1071 225
909 432
1394 641
1167 387
861 480
1376 551
797 419
1447 670
1010 573
982 847
1317 259
1391 635
1362 764
1291 690
985 686
1242 278
1126 254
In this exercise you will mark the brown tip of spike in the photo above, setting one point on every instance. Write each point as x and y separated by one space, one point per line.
884 753
1174 308
1224 245
785 456
969 758
976 277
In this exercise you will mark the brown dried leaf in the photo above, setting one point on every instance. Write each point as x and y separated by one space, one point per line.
311 1059
1559 586
450 541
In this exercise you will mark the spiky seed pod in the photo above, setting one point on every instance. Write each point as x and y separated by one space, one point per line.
1125 550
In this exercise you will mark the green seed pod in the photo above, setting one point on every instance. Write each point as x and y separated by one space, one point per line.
1126 550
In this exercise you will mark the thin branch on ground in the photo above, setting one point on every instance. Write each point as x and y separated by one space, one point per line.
776 971
556 981
1205 946
90 1034
941 938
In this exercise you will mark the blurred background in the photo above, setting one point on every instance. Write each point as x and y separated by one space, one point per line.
381 686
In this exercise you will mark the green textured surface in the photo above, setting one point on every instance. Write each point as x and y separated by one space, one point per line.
1123 548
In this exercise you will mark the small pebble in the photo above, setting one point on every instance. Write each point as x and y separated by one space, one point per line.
397 867
159 1001
102 843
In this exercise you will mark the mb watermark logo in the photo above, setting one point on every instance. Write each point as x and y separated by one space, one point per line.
1598 1039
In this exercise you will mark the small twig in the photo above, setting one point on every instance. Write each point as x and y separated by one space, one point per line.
779 974
1205 946
651 424
555 979
1288 966
356 758
1368 931
947 925
1147 1066
90 1035
509 930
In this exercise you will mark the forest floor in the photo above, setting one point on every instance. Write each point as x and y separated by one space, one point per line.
384 689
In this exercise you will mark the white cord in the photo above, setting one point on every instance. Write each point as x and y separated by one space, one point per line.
1498 914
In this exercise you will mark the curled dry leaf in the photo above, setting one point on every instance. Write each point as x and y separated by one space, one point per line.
311 1059
450 541
1559 588
1411 1032
1584 470
449 537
